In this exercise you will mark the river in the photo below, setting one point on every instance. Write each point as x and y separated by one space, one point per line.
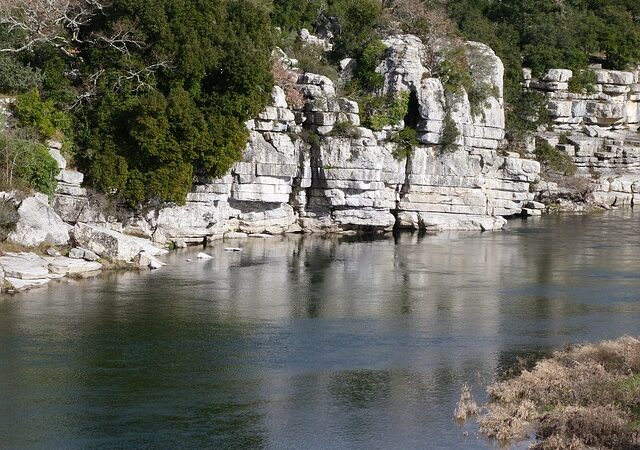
309 341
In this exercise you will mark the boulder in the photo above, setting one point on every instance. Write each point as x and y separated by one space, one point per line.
38 224
71 177
144 260
69 266
81 253
112 244
24 266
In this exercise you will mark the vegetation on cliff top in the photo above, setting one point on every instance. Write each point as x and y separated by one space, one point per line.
148 93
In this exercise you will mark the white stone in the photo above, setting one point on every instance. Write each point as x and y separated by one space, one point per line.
38 224
558 75
69 266
55 154
111 244
24 266
71 177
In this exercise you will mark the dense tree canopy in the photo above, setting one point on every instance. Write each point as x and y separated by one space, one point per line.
156 91
167 101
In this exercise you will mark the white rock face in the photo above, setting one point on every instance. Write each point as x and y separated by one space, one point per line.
111 244
613 104
24 266
348 177
402 67
38 224
22 271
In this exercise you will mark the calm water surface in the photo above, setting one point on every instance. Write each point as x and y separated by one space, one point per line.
309 342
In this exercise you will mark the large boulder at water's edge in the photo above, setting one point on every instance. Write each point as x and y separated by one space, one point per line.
38 224
111 244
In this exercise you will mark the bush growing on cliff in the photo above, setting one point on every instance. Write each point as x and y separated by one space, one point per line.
383 111
26 165
406 140
41 116
450 134
365 74
345 129
555 159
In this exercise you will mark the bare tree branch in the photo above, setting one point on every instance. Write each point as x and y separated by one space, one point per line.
60 23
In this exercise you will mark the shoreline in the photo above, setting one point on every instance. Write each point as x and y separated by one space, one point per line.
23 268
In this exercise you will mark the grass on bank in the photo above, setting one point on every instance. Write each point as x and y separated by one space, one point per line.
583 397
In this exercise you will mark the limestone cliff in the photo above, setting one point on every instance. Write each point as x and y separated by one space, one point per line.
599 132
288 182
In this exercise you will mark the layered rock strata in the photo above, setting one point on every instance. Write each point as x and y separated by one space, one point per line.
599 132
302 173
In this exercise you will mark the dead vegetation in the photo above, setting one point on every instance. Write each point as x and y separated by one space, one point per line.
583 397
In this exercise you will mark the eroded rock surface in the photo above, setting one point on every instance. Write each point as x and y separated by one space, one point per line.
38 224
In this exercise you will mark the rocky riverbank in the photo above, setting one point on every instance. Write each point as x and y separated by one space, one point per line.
311 166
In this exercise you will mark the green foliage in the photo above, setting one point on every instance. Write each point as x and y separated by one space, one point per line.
545 34
16 77
293 15
583 81
8 217
41 116
345 129
453 71
359 21
528 110
555 159
405 140
313 59
38 168
365 73
26 164
450 134
382 111
144 142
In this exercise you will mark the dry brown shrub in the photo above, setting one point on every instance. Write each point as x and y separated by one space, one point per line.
287 80
596 426
467 407
584 397
509 422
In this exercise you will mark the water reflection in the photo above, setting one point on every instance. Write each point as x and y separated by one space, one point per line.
309 341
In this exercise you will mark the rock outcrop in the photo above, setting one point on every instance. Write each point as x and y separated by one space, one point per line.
23 271
299 174
599 132
38 224
112 244
614 102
